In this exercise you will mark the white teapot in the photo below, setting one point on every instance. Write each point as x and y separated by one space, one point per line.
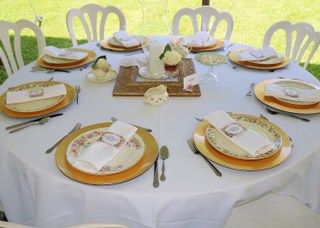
156 96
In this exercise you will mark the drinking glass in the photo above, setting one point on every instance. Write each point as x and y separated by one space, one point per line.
210 77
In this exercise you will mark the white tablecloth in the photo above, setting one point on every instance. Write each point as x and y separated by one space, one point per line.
34 192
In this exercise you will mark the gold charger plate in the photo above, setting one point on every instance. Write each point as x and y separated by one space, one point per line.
247 165
71 94
143 165
91 56
272 102
233 58
105 44
37 105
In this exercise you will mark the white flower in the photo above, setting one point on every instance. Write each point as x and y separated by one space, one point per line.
102 64
171 58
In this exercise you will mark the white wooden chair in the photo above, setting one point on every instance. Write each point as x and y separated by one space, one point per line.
12 59
92 10
206 13
296 46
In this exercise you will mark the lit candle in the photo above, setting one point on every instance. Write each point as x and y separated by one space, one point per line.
156 69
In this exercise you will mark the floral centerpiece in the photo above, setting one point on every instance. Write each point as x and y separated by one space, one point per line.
171 60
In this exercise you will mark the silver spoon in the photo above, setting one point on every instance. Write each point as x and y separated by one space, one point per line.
40 122
164 154
274 112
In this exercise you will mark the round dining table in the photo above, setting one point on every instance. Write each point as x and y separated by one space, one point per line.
33 190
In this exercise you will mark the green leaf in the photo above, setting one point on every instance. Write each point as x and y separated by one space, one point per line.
167 48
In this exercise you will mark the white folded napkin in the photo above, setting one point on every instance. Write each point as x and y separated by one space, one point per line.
100 153
199 39
125 39
294 95
64 53
248 140
256 54
134 61
14 97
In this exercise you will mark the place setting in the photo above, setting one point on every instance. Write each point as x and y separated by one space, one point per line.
200 42
58 59
259 58
106 153
289 96
241 142
122 41
36 99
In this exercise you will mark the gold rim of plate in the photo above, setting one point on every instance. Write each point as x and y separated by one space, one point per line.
222 144
233 58
246 165
70 96
91 56
139 168
275 103
37 105
105 44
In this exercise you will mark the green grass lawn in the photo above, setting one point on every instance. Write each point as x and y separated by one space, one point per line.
252 19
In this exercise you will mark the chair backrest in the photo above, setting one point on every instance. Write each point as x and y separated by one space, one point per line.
207 13
297 45
12 59
92 10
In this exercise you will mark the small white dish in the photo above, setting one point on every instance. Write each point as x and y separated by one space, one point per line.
110 75
156 96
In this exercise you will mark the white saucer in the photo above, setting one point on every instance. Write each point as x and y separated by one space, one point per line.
111 74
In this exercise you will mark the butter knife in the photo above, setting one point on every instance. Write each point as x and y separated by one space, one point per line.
32 121
156 174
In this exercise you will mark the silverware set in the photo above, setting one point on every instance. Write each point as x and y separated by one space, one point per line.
75 128
163 154
37 121
196 151
49 71
274 111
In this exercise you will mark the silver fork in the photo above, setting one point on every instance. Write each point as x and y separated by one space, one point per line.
114 119
75 128
196 151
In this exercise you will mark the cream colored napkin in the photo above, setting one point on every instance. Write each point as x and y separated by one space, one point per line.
134 61
64 53
125 39
14 97
294 95
256 54
97 155
199 39
248 140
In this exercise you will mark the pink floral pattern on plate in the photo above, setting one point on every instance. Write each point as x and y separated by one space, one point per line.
130 154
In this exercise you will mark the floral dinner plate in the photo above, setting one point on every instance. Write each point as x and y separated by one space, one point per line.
210 59
222 144
37 105
127 157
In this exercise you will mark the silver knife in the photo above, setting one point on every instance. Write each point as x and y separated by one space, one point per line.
31 121
156 174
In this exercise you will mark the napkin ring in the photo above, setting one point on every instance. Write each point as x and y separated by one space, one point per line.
233 129
112 139
36 92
